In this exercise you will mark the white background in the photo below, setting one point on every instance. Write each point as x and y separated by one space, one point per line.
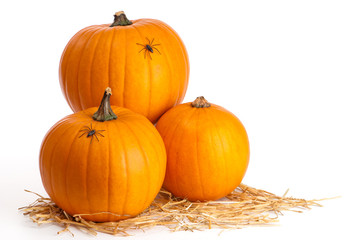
287 69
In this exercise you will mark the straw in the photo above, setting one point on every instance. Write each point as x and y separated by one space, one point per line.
245 206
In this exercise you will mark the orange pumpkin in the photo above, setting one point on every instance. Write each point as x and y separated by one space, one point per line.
107 169
144 61
207 150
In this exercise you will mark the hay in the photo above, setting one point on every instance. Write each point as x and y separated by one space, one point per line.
245 206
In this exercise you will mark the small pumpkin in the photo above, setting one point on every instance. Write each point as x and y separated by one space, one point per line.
107 164
207 150
144 61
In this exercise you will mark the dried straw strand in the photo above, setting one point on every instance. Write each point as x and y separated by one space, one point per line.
245 206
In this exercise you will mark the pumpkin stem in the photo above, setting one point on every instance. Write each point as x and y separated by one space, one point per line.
104 112
120 20
200 102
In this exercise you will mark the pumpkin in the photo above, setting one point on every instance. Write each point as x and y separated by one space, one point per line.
144 61
207 150
106 165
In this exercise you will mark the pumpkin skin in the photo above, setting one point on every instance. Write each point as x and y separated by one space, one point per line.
119 174
147 83
207 151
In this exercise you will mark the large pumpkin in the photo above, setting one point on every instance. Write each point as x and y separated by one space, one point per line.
105 169
144 61
207 150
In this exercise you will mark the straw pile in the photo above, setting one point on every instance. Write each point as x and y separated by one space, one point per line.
245 206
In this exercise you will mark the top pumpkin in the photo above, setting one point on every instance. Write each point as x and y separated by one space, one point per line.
143 60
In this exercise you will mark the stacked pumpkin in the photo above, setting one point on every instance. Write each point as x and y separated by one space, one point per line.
108 163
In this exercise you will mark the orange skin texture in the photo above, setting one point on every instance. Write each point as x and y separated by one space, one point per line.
100 56
120 174
207 151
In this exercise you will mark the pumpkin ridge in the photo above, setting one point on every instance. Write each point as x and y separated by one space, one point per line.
109 194
124 68
100 34
145 132
169 66
86 46
66 170
65 68
212 118
145 158
176 163
109 58
117 209
92 33
205 111
197 156
184 57
241 129
166 130
63 59
52 165
86 190
49 172
44 143
89 168
109 168
149 75
162 28
245 141
118 75
124 160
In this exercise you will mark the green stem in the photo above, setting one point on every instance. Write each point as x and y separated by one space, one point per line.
104 112
120 20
